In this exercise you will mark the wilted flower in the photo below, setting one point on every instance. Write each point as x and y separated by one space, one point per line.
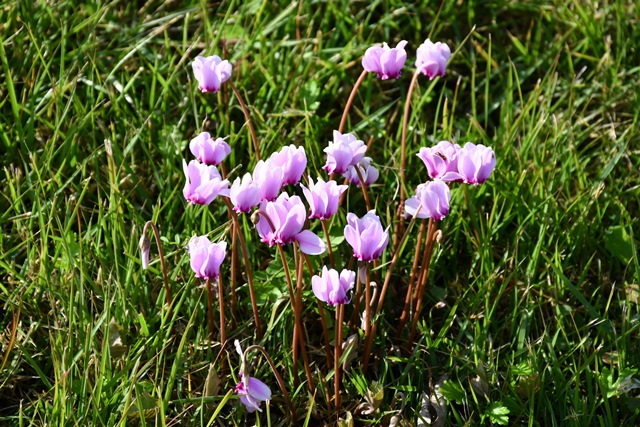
206 257
332 288
288 214
208 150
251 390
431 59
268 177
475 163
385 61
145 249
244 194
369 173
344 151
211 72
441 160
323 198
203 183
433 199
293 162
366 236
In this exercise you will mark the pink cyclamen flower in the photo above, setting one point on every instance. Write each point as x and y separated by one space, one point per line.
344 151
203 183
332 288
369 173
268 177
206 257
323 198
366 236
288 215
293 162
208 150
433 198
432 58
244 194
251 390
475 163
441 160
211 72
385 61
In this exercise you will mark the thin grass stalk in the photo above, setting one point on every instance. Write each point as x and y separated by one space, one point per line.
285 393
245 255
347 107
165 277
245 110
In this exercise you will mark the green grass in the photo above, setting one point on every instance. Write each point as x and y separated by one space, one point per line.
532 293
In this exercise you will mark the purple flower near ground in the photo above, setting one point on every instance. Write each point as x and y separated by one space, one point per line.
344 151
244 194
385 61
203 183
211 72
369 173
475 163
366 236
323 198
208 150
251 390
441 160
268 177
432 58
433 198
332 288
293 162
288 215
206 257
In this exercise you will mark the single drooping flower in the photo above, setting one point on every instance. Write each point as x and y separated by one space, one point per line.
244 194
293 162
433 198
288 215
432 58
203 183
206 257
385 61
331 287
211 72
323 198
475 163
208 150
251 390
344 151
441 160
366 236
268 177
369 173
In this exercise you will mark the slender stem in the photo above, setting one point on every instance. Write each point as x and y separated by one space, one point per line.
364 188
471 215
337 353
325 334
245 110
167 291
345 113
420 288
403 152
210 310
285 393
298 307
357 296
292 298
367 314
414 268
387 279
325 228
245 255
234 272
223 334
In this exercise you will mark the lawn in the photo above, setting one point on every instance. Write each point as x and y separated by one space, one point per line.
528 313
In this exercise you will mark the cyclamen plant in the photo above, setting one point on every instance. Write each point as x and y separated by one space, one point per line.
282 219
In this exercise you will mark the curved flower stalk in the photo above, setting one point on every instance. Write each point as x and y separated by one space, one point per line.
287 216
211 72
204 183
386 62
208 150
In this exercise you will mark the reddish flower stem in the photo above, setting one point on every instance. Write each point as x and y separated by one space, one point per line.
403 141
337 353
210 310
414 268
367 312
345 113
223 334
364 188
165 277
325 228
245 110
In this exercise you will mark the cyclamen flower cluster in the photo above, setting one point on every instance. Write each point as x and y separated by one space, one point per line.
346 153
387 63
